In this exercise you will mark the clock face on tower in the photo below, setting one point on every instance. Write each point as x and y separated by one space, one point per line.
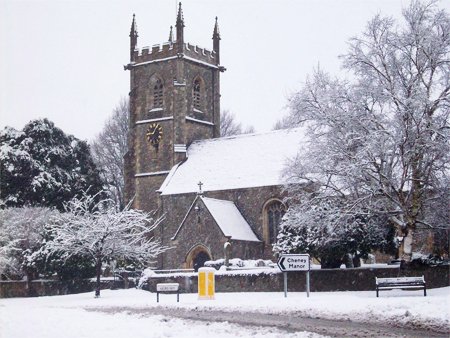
154 134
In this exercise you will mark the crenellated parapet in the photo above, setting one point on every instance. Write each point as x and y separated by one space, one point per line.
155 52
199 53
168 50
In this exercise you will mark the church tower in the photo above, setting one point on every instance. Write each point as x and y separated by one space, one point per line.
174 100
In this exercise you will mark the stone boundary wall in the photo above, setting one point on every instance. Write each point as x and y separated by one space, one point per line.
38 288
358 279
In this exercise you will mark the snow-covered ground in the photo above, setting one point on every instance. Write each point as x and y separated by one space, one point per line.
66 316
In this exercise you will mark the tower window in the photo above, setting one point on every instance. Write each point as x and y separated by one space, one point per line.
158 94
197 94
273 213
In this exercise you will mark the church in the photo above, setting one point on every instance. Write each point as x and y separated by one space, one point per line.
210 190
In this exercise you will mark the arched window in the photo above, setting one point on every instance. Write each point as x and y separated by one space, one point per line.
196 97
273 213
158 94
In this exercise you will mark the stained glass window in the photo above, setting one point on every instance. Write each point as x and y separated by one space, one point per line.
275 212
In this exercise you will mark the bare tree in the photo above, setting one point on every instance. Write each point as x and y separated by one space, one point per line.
229 126
283 123
109 149
381 140
98 232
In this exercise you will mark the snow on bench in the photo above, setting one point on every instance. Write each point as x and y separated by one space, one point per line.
167 288
404 283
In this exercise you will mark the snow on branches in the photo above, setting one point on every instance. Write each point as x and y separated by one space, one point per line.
97 231
332 231
380 140
22 233
42 166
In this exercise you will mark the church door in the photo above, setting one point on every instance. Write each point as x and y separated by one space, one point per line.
197 257
200 259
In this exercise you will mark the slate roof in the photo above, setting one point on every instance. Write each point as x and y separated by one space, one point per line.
234 162
229 219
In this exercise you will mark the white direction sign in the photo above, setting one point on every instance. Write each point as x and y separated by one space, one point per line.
293 262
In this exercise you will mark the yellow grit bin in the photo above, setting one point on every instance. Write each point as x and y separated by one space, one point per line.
206 283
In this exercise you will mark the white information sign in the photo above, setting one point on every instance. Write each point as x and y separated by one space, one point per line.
167 287
293 262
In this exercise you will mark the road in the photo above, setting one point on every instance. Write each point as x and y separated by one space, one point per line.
288 323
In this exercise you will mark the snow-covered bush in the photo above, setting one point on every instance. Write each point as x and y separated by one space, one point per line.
216 264
100 233
239 263
420 260
146 274
22 234
323 228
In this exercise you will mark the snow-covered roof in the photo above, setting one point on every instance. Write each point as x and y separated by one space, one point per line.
229 219
234 162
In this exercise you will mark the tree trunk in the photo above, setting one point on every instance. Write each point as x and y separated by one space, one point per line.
98 267
406 247
357 261
348 261
30 276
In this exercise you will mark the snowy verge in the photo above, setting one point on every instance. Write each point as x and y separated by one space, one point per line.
65 316
397 308
408 309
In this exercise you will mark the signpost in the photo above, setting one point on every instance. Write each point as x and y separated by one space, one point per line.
167 288
294 262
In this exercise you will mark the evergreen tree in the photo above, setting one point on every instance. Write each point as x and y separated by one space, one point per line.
42 166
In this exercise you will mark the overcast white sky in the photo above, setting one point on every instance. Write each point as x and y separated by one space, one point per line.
64 59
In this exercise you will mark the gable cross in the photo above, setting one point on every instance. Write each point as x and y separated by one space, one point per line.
200 187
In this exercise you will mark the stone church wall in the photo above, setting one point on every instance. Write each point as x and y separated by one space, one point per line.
249 201
199 229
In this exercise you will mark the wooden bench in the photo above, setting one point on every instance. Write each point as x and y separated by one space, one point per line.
167 288
404 283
